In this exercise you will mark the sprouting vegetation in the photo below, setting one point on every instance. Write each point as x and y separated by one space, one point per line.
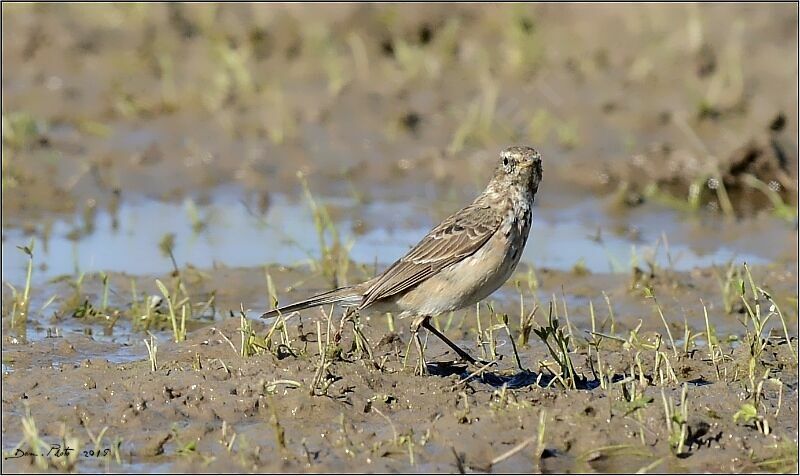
21 300
334 260
397 111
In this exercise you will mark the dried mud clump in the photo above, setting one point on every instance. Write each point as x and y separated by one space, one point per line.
753 176
766 157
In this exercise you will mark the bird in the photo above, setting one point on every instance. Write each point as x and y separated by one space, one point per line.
460 262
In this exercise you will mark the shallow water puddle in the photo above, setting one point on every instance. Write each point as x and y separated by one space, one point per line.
231 234
586 235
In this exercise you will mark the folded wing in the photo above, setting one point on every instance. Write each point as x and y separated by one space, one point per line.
456 238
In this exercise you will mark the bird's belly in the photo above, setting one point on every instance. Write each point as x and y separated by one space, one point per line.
466 282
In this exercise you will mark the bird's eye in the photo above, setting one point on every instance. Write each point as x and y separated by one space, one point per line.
505 161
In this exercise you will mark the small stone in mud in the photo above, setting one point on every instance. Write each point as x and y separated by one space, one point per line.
778 123
425 34
387 47
549 453
609 106
526 24
261 42
411 121
706 61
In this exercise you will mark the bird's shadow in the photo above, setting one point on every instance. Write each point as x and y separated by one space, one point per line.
522 378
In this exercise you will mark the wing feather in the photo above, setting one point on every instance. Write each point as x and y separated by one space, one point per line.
457 237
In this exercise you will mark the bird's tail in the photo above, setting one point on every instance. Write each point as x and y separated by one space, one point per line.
348 295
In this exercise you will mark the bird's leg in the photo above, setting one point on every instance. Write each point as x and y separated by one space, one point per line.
422 366
426 323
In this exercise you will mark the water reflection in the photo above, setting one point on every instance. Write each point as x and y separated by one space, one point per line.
229 231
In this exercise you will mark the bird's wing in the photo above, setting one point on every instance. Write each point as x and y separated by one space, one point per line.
457 237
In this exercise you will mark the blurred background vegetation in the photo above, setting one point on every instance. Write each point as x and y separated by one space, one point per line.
646 101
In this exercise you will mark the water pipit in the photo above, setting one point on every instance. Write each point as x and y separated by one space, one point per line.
460 262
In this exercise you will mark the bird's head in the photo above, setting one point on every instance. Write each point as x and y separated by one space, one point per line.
519 166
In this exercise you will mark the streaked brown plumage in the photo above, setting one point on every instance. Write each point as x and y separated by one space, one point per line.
461 261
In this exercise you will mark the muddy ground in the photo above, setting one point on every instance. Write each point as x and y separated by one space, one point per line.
208 408
164 142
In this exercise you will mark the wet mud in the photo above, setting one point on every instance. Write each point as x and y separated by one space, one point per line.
241 154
